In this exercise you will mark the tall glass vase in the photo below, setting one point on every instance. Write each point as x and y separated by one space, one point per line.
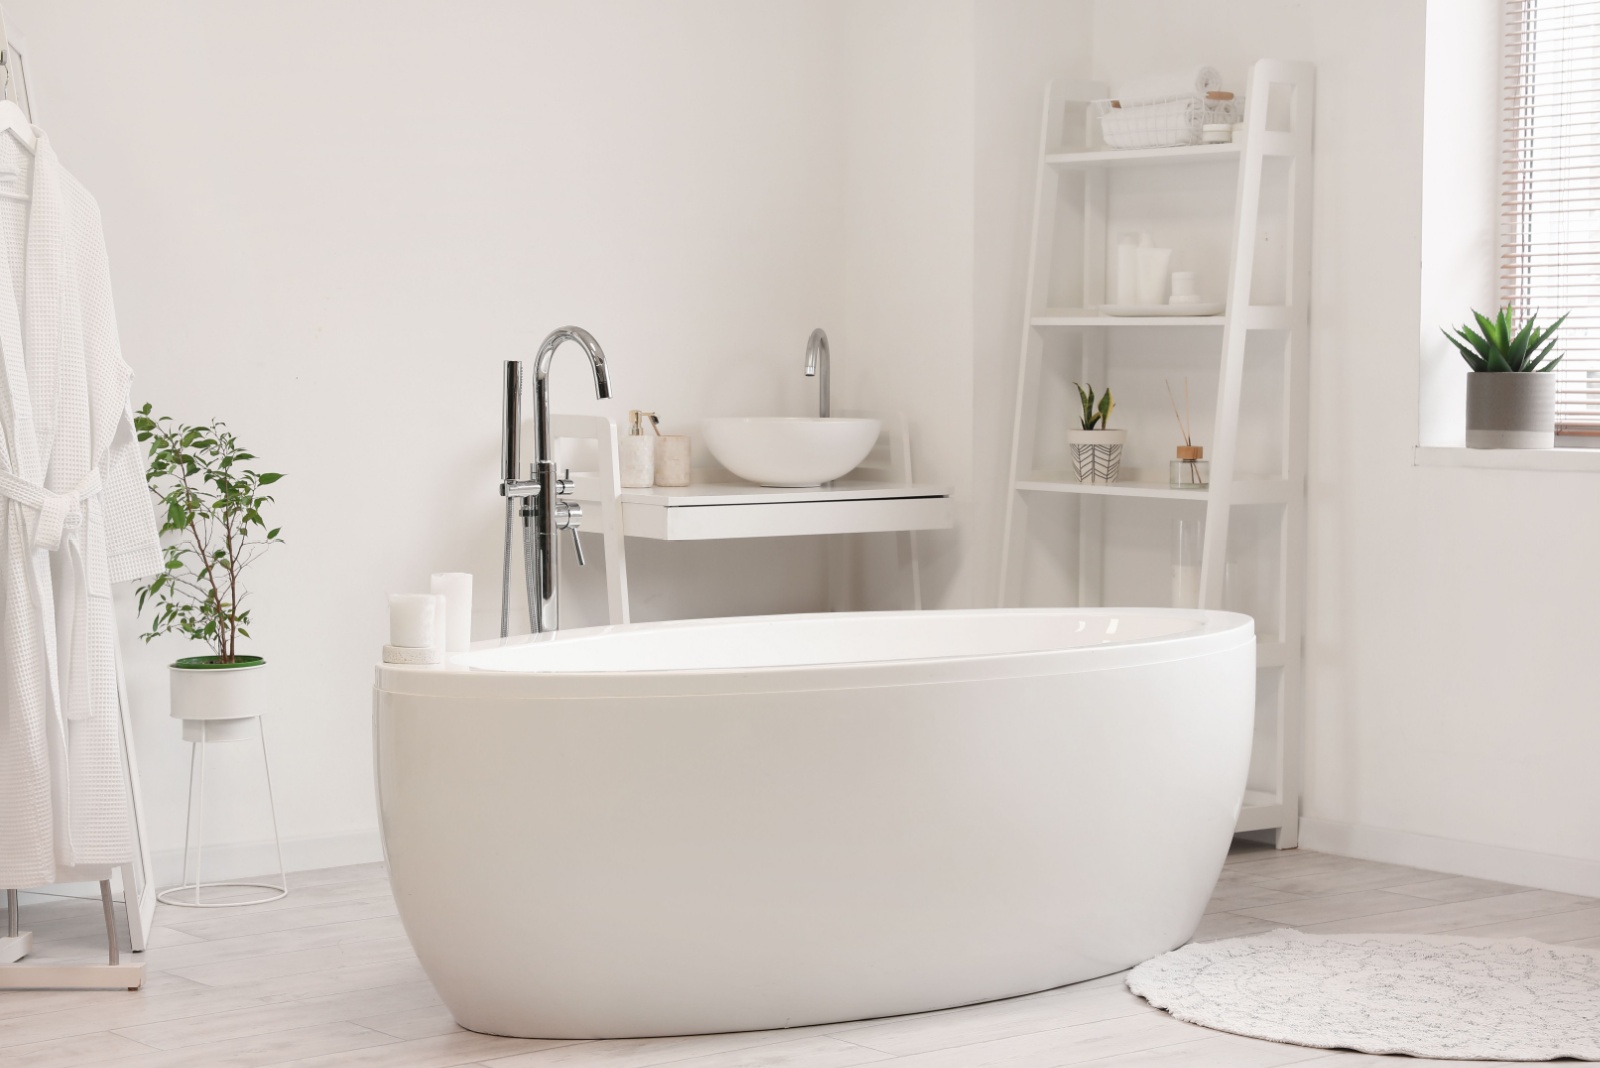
1188 539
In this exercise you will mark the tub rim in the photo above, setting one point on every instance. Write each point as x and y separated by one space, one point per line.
1218 631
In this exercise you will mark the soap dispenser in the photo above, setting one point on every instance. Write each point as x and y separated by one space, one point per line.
636 455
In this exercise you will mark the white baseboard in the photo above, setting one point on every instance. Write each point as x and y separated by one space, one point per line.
1545 871
244 860
238 860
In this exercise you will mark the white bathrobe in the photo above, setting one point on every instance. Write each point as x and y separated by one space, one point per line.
75 516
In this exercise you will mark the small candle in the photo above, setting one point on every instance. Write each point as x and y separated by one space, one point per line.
456 586
411 620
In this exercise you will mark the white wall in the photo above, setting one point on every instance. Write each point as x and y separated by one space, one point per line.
329 227
905 341
1020 47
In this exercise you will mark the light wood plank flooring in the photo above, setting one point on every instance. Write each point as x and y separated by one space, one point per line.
326 977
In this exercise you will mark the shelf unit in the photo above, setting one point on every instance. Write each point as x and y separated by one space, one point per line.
1277 128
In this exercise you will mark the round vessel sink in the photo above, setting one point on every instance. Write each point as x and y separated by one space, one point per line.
790 452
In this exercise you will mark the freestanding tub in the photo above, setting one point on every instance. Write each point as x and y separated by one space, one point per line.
732 824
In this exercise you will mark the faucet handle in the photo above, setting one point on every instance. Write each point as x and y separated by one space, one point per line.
564 484
568 515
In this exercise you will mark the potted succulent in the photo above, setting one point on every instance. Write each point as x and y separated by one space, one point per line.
1511 399
212 531
1096 449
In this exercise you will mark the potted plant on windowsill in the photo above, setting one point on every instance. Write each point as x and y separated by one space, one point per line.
212 531
1096 450
1511 397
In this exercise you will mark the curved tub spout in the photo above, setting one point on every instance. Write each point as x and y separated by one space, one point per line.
541 378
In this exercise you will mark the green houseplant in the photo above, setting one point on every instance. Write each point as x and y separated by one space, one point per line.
1096 449
1511 397
212 531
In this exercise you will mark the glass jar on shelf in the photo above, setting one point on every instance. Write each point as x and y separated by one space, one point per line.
1190 470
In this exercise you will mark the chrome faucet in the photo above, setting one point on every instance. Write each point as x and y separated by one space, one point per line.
817 367
543 511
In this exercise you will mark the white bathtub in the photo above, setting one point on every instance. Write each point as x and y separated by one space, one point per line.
732 824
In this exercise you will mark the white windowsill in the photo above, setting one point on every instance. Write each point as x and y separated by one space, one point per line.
1508 459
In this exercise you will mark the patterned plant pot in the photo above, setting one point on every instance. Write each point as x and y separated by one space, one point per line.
1511 410
1097 454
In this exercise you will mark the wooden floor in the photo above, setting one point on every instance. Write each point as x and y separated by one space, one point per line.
326 977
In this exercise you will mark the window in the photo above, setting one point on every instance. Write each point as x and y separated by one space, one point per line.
1550 190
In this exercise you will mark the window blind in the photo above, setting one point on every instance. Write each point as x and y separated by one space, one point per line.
1550 189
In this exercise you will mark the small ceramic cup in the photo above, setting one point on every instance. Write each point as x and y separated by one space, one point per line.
672 460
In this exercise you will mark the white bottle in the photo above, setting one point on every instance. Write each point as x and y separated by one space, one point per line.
1155 265
1125 289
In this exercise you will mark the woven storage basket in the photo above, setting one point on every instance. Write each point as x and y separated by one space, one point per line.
1164 123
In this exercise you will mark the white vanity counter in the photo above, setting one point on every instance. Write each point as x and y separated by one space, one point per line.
741 510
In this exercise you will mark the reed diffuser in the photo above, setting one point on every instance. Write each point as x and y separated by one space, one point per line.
1190 470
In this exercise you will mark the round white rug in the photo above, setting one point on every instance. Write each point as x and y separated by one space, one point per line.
1425 995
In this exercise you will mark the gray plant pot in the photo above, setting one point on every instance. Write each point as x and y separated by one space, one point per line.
1511 410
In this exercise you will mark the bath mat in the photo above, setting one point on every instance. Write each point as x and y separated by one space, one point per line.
1427 996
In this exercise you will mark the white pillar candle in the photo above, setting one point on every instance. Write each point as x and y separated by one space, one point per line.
411 620
441 623
1154 266
456 586
1182 284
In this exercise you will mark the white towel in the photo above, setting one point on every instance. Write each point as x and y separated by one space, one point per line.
1191 81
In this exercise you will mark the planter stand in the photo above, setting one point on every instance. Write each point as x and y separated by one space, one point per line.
200 732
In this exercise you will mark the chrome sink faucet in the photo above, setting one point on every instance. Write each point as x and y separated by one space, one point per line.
543 511
817 367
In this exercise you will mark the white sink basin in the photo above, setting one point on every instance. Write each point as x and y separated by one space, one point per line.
790 452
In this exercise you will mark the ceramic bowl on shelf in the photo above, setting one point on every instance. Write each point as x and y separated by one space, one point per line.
790 452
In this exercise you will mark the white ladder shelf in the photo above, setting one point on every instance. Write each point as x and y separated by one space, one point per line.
1278 123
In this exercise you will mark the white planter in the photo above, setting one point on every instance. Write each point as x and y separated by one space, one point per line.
217 703
1097 454
1511 410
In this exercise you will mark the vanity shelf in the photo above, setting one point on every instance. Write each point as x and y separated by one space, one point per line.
879 497
739 510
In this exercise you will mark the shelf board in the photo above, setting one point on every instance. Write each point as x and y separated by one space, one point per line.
1089 317
1245 490
1137 157
1256 317
1046 483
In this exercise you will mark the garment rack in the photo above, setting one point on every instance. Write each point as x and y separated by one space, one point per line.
138 890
